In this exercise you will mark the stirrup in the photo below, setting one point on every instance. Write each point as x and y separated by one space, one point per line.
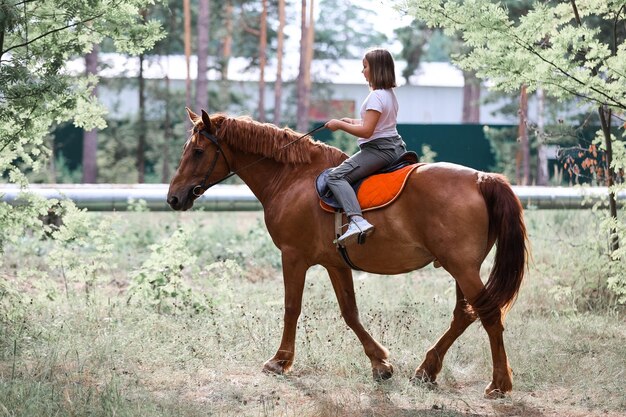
356 232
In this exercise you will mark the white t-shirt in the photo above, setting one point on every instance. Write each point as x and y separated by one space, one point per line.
386 103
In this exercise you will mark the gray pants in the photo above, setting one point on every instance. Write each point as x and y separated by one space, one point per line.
373 156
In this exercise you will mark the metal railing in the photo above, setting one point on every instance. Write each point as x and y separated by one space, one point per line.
118 197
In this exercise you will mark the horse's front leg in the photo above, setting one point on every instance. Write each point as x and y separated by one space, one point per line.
341 279
294 272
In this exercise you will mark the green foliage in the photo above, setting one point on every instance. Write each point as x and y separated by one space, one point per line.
159 281
63 174
427 154
616 269
88 236
138 206
23 220
38 37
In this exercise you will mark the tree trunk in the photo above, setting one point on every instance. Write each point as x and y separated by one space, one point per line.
471 98
262 59
304 76
141 134
605 121
278 85
90 138
2 29
542 154
187 30
52 171
227 46
202 29
167 133
523 153
167 120
309 51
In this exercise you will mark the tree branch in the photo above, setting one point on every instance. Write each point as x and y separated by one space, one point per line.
572 92
251 30
570 76
246 27
43 35
24 2
576 15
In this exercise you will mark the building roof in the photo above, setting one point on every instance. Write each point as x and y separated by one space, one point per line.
343 71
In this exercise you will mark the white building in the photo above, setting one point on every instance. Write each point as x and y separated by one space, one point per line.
434 96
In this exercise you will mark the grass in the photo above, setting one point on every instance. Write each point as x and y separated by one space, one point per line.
65 354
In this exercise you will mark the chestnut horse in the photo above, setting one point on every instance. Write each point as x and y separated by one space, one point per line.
447 214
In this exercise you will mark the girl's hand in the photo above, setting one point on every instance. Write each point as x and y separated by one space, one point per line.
333 124
359 128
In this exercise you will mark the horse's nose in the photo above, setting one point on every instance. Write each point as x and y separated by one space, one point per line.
172 201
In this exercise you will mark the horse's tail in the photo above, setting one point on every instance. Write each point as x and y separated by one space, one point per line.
506 224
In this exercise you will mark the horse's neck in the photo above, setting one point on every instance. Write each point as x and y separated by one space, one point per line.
261 176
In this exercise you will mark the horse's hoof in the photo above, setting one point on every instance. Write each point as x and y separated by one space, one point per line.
383 372
493 393
422 378
275 367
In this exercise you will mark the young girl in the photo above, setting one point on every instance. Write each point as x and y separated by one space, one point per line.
378 139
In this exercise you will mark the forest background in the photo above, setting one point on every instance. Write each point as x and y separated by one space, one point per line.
138 147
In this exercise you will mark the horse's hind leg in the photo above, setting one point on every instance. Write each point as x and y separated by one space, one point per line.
472 287
341 279
461 319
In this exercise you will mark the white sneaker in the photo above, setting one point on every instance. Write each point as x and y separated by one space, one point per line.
358 228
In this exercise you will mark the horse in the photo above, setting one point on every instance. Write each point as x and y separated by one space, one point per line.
447 214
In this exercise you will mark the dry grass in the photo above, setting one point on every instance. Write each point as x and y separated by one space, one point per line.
104 358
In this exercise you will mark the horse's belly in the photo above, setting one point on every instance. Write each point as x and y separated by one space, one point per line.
388 259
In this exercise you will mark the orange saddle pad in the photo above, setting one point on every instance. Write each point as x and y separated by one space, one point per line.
379 190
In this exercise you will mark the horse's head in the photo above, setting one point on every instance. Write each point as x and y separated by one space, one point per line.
202 164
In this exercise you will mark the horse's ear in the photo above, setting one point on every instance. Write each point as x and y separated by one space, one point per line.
192 116
206 119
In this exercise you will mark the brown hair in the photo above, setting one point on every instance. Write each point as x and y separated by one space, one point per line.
382 69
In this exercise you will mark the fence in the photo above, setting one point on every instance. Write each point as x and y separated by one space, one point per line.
116 197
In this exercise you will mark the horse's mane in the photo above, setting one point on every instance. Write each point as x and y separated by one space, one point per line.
265 139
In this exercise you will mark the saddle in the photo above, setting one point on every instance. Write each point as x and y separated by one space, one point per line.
374 191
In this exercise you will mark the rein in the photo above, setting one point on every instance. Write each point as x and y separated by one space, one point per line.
198 190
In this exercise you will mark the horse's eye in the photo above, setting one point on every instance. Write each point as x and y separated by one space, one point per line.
198 151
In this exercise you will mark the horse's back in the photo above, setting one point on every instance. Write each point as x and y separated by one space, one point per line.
445 188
